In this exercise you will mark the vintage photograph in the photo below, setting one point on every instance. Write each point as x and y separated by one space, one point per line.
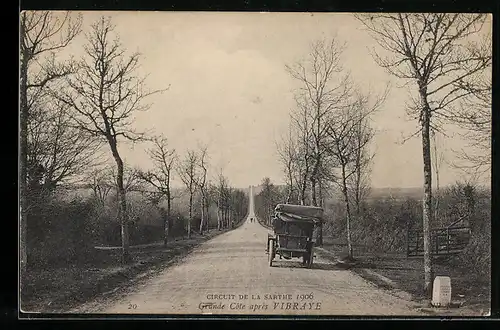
255 163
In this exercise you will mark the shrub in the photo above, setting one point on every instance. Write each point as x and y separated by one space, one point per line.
60 232
383 223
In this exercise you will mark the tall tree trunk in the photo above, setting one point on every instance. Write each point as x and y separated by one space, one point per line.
320 227
303 191
290 191
358 173
122 206
320 194
23 162
427 203
289 195
314 201
436 165
190 213
348 212
222 221
303 187
165 230
207 212
202 222
219 220
357 184
167 220
315 177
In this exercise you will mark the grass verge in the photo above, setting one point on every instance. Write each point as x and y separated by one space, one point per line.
404 277
58 290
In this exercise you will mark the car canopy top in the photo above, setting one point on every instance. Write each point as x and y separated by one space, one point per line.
300 210
285 217
299 213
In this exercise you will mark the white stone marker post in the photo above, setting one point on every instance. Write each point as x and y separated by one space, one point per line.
441 291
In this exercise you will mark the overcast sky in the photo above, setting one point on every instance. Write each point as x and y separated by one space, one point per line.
229 88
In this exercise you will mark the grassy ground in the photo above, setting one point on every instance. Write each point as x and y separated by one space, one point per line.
470 291
61 289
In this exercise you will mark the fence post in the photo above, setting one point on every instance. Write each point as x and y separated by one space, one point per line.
448 240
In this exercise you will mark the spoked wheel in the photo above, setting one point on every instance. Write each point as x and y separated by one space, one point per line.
272 252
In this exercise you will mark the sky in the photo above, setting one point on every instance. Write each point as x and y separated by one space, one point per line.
228 88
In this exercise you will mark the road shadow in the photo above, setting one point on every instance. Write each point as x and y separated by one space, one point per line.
331 266
315 266
225 251
232 245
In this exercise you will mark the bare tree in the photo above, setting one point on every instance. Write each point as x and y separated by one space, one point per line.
229 205
105 95
63 151
131 181
222 186
202 184
359 183
435 52
474 114
302 125
438 157
101 184
163 159
212 198
287 152
42 34
268 199
189 174
345 145
324 86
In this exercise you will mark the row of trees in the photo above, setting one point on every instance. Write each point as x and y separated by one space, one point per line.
193 172
267 198
444 61
329 134
74 112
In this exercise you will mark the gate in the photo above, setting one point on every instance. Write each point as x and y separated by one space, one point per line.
444 241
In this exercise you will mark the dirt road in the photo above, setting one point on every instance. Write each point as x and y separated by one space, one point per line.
230 275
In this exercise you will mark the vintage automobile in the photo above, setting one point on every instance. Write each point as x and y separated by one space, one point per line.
293 227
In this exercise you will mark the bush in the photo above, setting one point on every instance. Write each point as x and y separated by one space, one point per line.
60 232
383 223
477 255
178 224
66 226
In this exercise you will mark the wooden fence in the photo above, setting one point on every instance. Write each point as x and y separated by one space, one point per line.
444 241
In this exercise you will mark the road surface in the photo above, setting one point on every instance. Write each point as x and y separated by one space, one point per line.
230 275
